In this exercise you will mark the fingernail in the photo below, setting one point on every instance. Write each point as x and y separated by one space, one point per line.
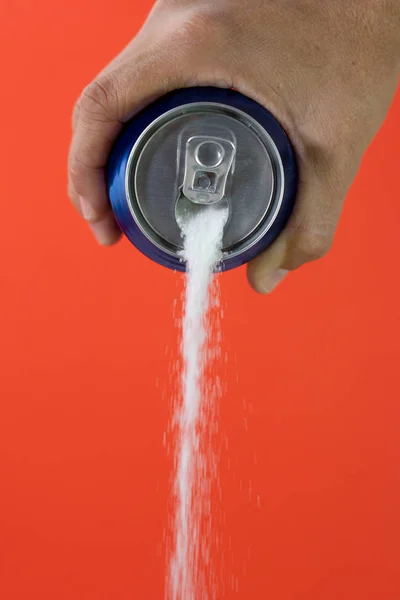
105 231
88 212
273 279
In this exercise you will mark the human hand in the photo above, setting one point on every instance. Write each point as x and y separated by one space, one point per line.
326 69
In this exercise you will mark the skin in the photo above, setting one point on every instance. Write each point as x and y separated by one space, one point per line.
327 69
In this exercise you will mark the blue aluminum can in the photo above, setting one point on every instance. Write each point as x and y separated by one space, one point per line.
192 148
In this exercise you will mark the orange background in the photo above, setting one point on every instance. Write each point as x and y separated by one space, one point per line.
310 480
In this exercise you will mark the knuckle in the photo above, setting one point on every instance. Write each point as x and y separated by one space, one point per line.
100 98
195 27
311 245
75 115
196 31
71 191
77 170
73 196
331 153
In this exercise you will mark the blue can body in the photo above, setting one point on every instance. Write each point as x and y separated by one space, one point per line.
118 161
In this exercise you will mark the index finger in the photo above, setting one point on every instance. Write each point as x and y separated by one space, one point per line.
117 94
96 126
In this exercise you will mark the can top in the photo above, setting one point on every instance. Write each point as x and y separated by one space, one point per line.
207 152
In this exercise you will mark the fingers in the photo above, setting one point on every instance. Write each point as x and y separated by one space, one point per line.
307 237
265 272
95 125
115 95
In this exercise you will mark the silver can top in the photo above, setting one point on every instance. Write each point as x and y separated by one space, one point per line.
201 154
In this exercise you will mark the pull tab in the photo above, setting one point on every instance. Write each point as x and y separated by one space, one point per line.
208 162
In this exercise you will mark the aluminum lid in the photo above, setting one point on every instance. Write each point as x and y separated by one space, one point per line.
203 153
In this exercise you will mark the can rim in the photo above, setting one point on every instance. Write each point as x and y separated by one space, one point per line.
223 98
272 208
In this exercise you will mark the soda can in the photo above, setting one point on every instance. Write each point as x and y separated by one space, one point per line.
196 147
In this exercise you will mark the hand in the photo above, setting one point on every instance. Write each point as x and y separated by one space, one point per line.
327 70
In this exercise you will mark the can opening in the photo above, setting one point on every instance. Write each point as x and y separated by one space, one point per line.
186 209
207 166
208 162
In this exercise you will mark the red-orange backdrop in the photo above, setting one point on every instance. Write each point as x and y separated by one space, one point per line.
310 479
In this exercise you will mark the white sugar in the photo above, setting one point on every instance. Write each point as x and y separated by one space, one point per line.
202 253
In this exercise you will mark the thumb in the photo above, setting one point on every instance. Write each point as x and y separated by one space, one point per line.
307 237
265 272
